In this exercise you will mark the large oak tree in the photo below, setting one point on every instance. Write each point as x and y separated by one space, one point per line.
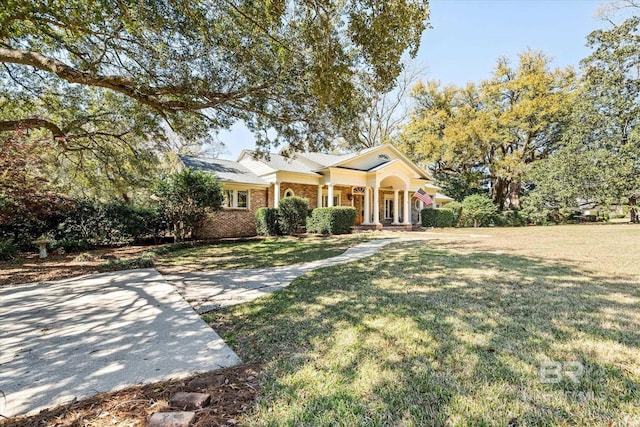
488 133
104 77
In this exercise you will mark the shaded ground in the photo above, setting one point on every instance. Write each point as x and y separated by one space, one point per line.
454 332
29 268
199 256
77 337
270 252
233 391
449 333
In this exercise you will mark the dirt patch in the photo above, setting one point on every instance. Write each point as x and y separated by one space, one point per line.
233 392
29 268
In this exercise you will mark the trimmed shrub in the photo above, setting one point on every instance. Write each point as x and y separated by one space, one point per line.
456 208
478 210
95 223
7 250
436 218
292 214
267 222
335 220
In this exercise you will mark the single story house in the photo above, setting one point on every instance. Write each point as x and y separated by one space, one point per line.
379 182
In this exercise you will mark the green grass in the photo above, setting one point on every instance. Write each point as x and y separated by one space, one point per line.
270 252
453 332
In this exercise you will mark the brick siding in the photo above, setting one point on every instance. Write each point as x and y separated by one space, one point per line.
233 222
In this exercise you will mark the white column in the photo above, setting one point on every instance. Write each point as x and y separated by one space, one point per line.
330 195
420 207
276 194
433 202
407 214
376 204
367 207
319 196
396 219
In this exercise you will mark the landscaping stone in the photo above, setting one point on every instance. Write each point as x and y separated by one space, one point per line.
189 401
203 383
171 419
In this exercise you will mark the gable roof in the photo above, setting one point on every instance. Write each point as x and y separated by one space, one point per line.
224 170
418 170
313 163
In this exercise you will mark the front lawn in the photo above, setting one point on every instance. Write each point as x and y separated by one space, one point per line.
270 252
455 332
187 256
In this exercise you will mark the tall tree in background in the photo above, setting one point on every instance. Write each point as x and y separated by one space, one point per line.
385 110
599 162
491 131
286 68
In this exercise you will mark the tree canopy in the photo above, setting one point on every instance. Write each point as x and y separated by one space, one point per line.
289 69
599 160
487 133
109 80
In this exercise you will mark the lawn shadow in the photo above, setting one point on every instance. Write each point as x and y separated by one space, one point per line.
422 336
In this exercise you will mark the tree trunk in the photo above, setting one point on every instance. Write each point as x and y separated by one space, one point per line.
177 231
514 195
499 192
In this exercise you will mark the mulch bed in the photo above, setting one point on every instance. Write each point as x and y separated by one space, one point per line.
28 268
233 392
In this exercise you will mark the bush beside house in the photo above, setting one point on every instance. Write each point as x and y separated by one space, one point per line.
335 220
456 210
86 223
436 218
292 214
267 223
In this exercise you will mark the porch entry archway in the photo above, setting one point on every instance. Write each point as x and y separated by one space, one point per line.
398 202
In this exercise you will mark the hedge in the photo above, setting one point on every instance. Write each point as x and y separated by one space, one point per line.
292 214
335 220
267 222
436 217
456 208
84 224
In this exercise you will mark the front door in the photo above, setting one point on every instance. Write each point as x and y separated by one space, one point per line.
358 203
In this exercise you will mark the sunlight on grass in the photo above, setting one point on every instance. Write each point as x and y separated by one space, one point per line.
270 252
443 333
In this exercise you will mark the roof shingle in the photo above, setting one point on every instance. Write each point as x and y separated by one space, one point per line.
224 170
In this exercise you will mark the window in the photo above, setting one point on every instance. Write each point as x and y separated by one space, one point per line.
388 207
227 198
325 200
289 193
242 199
235 199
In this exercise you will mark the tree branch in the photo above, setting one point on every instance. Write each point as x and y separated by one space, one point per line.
125 85
11 125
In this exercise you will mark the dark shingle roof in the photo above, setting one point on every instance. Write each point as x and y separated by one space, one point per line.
286 164
224 170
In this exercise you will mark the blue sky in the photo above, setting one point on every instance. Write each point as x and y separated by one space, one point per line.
468 36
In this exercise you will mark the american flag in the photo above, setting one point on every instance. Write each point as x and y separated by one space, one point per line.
421 195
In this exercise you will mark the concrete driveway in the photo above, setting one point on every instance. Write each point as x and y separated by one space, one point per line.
78 337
